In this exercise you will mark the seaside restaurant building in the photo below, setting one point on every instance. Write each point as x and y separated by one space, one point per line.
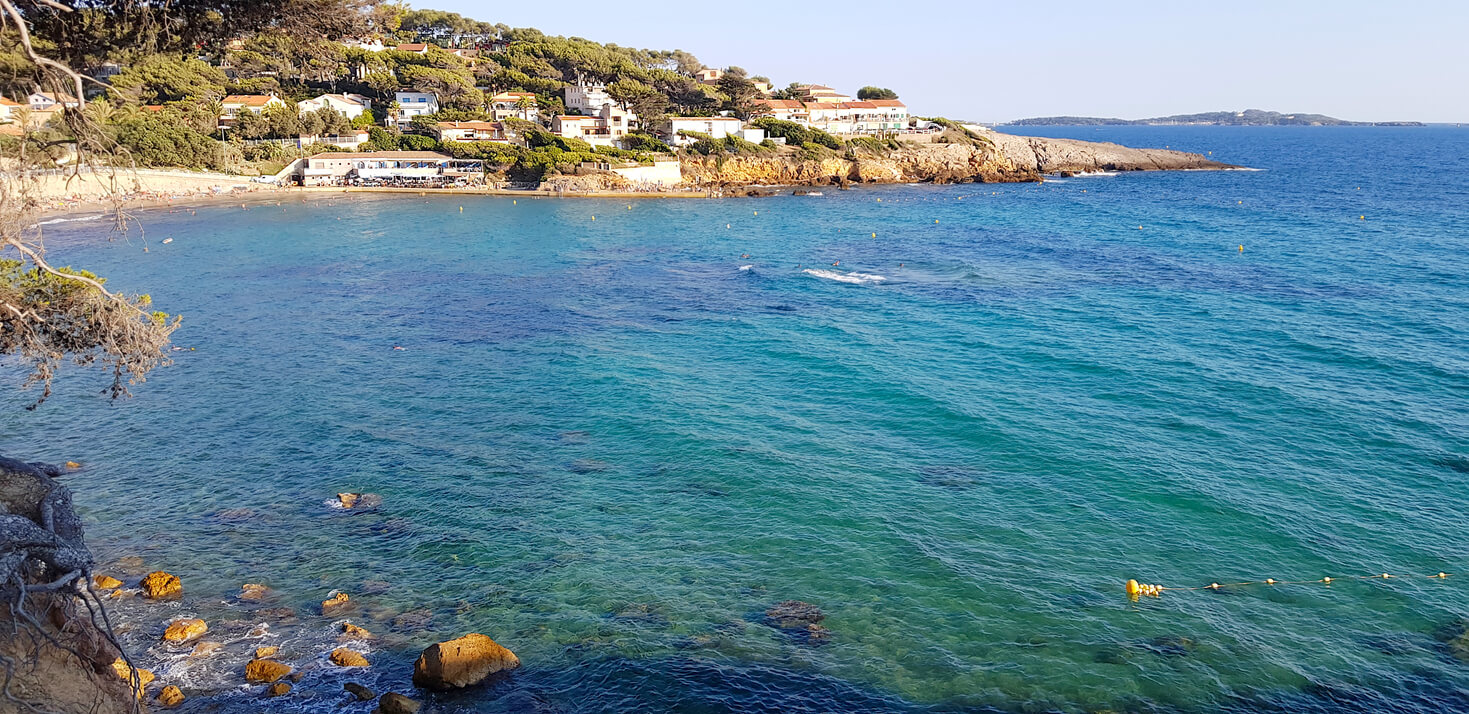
389 168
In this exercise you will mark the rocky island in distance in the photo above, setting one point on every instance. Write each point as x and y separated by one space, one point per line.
1248 117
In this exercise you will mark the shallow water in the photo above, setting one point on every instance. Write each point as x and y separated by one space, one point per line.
612 444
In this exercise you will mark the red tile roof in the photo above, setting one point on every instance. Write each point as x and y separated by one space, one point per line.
887 103
249 100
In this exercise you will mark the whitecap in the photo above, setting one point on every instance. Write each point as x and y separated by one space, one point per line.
746 267
854 277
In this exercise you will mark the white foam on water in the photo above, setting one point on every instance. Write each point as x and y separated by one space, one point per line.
54 221
854 278
1097 173
746 267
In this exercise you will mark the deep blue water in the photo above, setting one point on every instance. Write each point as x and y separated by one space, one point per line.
611 448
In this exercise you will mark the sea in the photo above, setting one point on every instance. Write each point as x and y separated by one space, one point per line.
613 435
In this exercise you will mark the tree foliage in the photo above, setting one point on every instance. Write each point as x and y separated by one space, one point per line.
871 92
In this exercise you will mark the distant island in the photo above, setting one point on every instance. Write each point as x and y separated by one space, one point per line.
1248 117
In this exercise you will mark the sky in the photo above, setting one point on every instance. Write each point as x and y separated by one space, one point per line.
998 61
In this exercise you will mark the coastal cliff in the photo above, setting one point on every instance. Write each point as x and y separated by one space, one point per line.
990 158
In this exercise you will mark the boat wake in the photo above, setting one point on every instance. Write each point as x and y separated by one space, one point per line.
854 278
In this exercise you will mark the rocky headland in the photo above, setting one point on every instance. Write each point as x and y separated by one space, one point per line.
961 157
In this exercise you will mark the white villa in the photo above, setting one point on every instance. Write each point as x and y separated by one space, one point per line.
870 117
348 105
474 131
586 98
506 105
414 104
715 127
42 101
606 128
425 168
785 109
8 109
234 104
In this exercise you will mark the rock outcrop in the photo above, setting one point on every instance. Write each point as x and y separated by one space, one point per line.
1048 156
988 158
41 540
462 662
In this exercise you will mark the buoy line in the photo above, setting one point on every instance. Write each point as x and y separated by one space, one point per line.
1136 589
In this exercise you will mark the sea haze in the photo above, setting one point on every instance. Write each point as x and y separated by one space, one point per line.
955 418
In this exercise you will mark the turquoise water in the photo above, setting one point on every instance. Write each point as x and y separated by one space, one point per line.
611 448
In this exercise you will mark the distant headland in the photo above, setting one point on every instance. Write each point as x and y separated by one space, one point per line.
1248 117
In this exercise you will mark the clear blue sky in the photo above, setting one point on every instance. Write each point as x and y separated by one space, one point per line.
1383 60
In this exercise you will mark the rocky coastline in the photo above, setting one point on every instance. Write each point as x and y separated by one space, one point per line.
990 157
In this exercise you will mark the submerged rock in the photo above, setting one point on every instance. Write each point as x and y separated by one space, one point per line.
187 630
462 662
362 693
253 591
394 703
204 649
279 689
264 670
158 585
170 697
343 657
413 620
794 615
338 602
1170 646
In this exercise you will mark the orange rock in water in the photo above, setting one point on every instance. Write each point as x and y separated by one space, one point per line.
253 591
264 670
171 696
124 672
351 631
159 584
343 657
279 689
182 631
462 662
348 499
336 603
106 582
266 652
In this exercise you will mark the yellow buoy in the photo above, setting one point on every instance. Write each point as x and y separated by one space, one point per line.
513 202
1326 580
594 218
757 213
1133 589
1139 227
1361 218
629 206
1241 249
935 220
1269 581
874 235
461 209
